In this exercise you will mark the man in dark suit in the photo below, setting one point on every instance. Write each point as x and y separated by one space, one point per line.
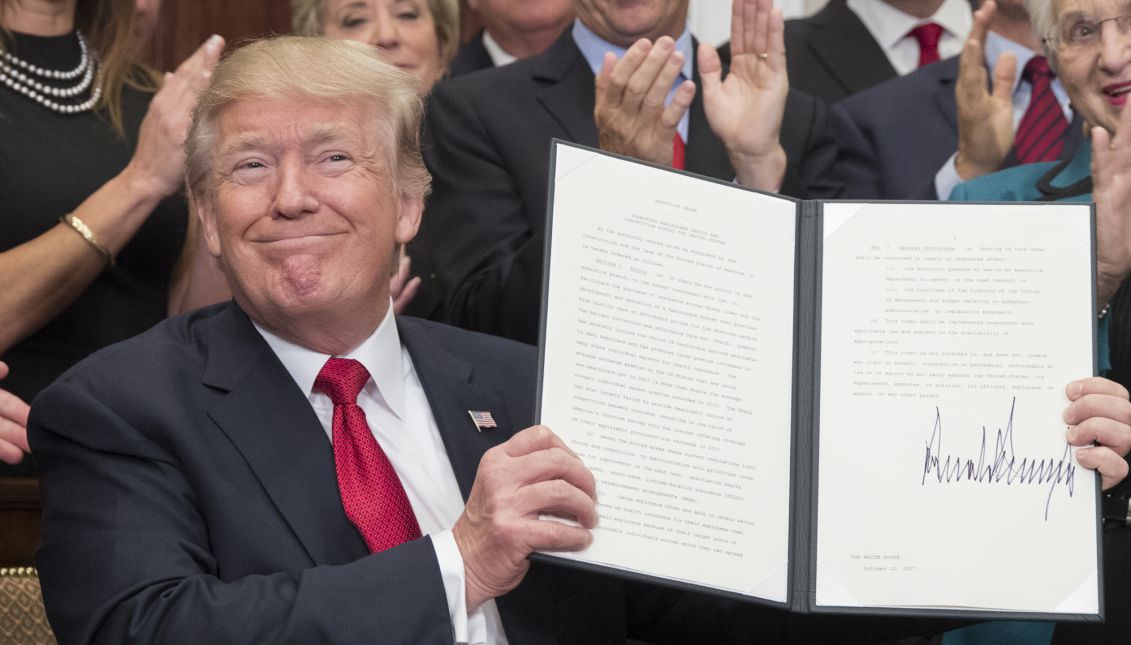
189 485
512 30
919 136
488 136
849 46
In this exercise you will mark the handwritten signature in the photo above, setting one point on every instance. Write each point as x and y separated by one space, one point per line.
1002 465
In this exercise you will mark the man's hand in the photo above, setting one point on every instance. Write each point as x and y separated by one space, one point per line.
745 110
13 424
402 288
1100 414
1111 177
629 110
985 117
532 473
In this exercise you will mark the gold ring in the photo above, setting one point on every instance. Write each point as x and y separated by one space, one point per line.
763 55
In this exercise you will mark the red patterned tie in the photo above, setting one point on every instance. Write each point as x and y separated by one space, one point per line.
678 152
1040 135
372 494
928 36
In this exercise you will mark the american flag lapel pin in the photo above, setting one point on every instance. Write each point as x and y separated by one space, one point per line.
482 419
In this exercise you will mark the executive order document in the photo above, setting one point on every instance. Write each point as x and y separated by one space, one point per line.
881 430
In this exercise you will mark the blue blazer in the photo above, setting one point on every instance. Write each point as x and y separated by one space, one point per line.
893 138
1022 183
190 496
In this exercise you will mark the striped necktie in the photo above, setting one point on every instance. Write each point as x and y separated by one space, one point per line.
1040 135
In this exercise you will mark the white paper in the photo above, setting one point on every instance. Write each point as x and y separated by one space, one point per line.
941 322
667 368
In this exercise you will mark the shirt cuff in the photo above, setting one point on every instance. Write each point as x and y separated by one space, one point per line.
466 629
947 178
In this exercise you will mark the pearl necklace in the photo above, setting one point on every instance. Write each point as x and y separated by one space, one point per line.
16 80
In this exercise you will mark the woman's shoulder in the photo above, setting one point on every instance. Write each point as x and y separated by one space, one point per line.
1018 183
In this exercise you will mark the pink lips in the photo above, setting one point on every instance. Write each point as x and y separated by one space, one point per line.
1117 93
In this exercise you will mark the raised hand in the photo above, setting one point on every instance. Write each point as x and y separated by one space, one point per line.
159 161
985 117
745 110
13 424
531 474
1111 180
1100 414
629 110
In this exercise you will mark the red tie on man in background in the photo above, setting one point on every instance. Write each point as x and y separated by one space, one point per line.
928 36
372 494
679 152
1040 135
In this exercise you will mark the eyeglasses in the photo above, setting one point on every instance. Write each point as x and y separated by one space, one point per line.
1083 32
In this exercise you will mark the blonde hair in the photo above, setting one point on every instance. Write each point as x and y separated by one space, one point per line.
308 19
108 26
296 67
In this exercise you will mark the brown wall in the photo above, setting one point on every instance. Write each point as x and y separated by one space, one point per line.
185 24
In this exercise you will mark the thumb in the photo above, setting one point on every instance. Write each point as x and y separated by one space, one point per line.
710 68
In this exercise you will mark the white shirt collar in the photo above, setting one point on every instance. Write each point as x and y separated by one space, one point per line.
499 56
889 25
380 353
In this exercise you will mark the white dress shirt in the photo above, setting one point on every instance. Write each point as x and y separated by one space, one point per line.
400 417
499 56
890 27
996 45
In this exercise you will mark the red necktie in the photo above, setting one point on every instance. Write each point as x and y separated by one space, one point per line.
928 36
372 495
1040 135
678 152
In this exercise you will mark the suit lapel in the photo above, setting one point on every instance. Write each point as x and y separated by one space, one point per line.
569 94
944 90
271 423
848 50
452 392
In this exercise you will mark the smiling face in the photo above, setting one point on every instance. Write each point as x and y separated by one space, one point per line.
405 30
1097 77
305 217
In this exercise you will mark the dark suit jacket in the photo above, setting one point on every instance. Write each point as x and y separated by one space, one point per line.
190 496
472 56
893 138
487 140
831 54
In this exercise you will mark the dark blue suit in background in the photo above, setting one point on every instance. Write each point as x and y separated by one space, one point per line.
190 496
893 138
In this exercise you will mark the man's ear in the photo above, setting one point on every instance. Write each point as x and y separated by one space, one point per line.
206 214
408 219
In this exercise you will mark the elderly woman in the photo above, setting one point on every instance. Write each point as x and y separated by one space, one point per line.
1088 44
90 166
419 36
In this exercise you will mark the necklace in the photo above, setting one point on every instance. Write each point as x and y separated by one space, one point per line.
26 84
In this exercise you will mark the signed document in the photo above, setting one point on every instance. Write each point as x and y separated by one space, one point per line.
830 407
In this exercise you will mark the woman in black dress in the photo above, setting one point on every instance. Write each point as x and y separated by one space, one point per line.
91 217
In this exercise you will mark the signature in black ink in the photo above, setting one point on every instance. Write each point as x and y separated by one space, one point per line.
1001 465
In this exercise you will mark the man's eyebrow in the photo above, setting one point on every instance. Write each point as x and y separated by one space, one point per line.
320 134
242 143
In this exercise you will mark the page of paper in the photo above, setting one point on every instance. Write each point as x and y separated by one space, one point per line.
667 368
949 332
